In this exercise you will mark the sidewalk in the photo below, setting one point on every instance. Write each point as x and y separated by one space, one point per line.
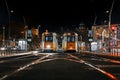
7 54
115 54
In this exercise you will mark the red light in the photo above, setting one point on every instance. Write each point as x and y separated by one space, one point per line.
113 27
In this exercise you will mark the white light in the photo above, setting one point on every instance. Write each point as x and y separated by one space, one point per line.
11 11
107 11
35 51
48 46
3 48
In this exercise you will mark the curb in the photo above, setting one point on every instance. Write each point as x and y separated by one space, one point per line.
17 54
102 54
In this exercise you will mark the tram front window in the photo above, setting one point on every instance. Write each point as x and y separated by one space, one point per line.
49 38
71 39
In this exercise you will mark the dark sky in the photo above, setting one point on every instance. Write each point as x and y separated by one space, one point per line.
60 13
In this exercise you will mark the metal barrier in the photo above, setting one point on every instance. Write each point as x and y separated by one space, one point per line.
115 51
10 52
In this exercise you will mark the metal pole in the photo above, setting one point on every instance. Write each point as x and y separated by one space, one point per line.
9 29
38 30
3 36
26 28
109 23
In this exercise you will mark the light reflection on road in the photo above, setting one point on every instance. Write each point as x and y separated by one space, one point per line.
69 57
24 67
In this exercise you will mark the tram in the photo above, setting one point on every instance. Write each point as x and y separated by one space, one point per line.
70 42
49 42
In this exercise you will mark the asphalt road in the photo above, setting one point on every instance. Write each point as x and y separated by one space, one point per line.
63 66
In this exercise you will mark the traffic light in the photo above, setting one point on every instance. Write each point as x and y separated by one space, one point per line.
112 27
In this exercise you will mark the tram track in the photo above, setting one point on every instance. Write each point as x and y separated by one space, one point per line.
93 66
23 67
17 58
51 57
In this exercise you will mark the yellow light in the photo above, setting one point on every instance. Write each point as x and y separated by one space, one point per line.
71 47
69 34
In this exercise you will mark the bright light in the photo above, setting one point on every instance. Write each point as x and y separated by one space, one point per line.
69 34
71 48
35 51
3 48
48 46
113 27
107 11
11 11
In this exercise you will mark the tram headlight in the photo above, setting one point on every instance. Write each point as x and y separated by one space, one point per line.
48 46
71 48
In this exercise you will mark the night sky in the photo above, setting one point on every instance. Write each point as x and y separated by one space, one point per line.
54 14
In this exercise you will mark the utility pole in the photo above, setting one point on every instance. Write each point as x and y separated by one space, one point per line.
38 30
26 28
109 23
9 28
3 36
95 20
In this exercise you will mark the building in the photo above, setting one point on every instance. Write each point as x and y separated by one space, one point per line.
106 37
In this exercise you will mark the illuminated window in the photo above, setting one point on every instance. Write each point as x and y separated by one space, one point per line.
48 38
71 38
